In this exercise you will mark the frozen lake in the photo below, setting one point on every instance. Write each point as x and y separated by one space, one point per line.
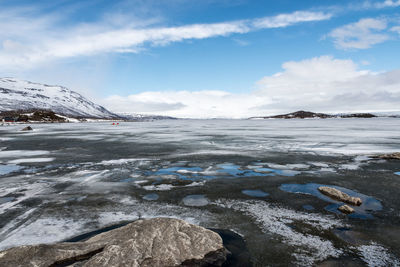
258 178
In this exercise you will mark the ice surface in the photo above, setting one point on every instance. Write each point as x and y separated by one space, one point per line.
103 175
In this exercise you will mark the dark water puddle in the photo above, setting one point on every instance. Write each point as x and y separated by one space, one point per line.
151 197
9 168
195 200
240 255
308 207
277 171
225 170
255 193
350 236
235 171
6 199
361 212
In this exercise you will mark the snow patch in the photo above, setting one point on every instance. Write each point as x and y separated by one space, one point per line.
30 160
376 255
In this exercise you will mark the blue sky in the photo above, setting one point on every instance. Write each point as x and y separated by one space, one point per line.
209 58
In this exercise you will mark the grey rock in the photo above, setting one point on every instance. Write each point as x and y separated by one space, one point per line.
339 195
153 242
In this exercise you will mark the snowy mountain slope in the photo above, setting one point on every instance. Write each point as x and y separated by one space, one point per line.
17 94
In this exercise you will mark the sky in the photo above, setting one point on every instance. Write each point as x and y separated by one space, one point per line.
209 58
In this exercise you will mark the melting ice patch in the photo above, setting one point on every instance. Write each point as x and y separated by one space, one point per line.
195 200
376 255
121 161
30 160
9 168
309 248
151 197
48 229
22 153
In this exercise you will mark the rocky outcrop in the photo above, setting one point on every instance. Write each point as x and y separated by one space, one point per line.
301 114
346 209
27 128
358 115
153 242
388 156
339 195
31 116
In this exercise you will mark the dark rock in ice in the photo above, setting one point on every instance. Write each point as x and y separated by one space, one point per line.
28 128
339 195
153 242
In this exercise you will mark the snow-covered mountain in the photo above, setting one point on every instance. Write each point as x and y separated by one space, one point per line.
17 94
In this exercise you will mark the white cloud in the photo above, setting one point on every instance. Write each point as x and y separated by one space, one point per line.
26 41
387 3
360 35
284 20
323 84
186 104
328 84
396 29
374 4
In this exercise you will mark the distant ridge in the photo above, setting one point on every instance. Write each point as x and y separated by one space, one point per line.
301 114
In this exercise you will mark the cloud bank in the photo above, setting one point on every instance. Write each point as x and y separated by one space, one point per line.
26 41
323 84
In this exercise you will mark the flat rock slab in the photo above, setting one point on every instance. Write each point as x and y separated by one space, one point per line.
339 195
153 242
346 209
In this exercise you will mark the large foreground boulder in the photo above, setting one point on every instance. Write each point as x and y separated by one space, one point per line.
339 195
153 242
